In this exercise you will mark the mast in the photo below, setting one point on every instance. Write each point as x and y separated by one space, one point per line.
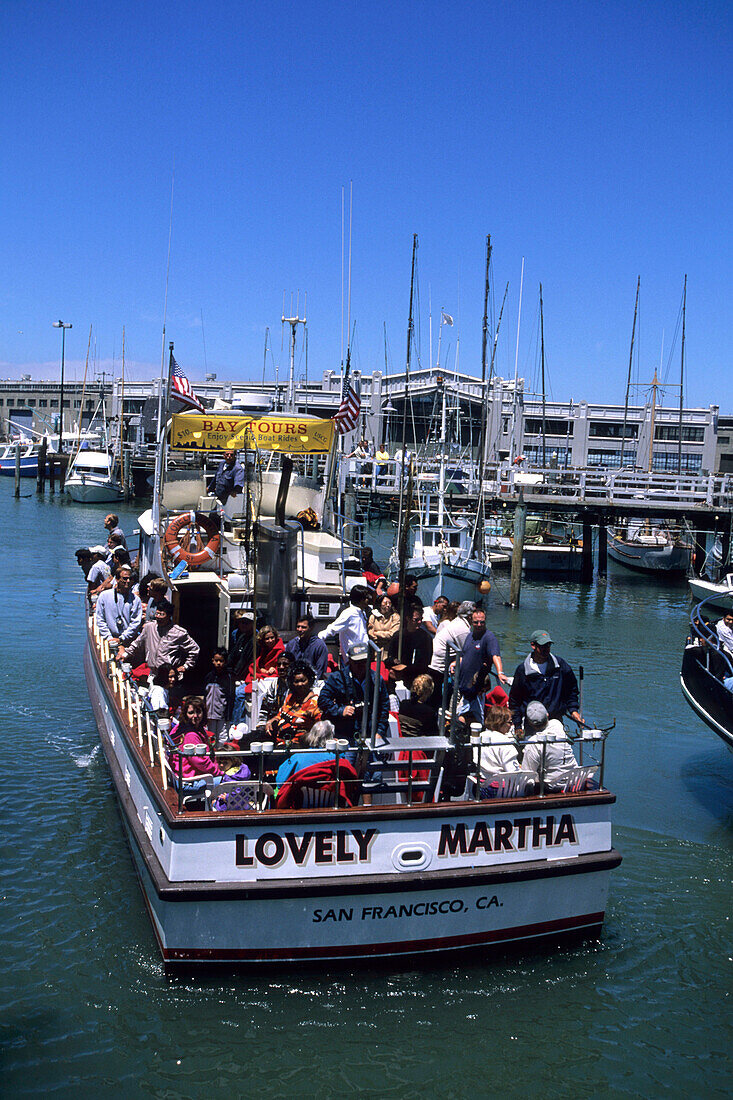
682 378
628 380
513 452
441 478
478 531
122 398
655 387
403 519
544 410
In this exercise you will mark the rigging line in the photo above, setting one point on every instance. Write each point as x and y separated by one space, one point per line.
342 275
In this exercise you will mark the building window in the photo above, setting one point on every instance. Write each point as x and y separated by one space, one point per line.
67 404
723 439
555 456
43 403
32 403
612 459
667 462
612 429
77 404
11 402
533 426
671 432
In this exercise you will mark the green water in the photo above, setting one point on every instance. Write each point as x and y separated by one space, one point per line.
84 1004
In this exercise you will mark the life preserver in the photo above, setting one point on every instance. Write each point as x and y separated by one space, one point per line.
177 552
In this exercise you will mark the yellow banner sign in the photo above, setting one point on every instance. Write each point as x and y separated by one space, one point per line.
219 432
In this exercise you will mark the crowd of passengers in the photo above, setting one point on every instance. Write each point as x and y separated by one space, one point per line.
313 693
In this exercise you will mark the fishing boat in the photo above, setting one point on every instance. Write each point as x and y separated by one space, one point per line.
29 453
650 550
341 877
706 664
443 558
93 478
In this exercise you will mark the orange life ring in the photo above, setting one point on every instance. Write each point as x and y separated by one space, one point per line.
178 553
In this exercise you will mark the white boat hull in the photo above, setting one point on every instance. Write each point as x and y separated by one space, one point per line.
457 581
92 492
717 595
374 882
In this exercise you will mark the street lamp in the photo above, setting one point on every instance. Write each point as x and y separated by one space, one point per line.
63 326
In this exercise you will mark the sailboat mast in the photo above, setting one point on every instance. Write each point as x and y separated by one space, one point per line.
655 386
403 520
513 452
628 379
682 378
122 400
479 527
544 410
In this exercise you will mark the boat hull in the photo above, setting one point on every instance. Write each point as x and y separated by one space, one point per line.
459 581
710 700
91 492
716 595
668 560
382 882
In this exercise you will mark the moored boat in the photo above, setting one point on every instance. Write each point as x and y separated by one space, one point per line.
650 551
716 595
92 478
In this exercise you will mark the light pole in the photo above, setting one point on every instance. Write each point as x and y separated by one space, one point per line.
63 325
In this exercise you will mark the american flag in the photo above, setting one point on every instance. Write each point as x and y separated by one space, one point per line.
181 387
347 417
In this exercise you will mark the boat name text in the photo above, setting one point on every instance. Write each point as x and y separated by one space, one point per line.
341 846
506 836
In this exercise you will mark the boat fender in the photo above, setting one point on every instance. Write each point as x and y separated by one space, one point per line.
186 519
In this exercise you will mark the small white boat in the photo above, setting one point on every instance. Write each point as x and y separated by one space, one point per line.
29 452
92 478
717 595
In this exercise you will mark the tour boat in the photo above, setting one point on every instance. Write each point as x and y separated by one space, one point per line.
404 876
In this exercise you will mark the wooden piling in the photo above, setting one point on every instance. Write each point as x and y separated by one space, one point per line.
41 476
602 548
520 526
127 475
52 474
63 459
586 564
17 470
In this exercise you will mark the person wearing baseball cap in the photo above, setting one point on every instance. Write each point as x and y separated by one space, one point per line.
343 696
542 677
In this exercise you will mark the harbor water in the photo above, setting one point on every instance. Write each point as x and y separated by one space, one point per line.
84 1003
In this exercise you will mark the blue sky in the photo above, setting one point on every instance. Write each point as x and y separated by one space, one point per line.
592 139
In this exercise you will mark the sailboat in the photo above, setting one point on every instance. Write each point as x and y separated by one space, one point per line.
444 557
94 476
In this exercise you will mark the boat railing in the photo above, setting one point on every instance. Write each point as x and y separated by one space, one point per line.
415 773
706 637
343 526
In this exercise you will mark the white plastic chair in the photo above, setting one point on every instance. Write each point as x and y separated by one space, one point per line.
578 777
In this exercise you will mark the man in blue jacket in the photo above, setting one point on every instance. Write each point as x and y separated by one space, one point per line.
342 697
545 678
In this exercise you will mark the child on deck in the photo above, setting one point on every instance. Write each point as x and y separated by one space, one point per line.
219 694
